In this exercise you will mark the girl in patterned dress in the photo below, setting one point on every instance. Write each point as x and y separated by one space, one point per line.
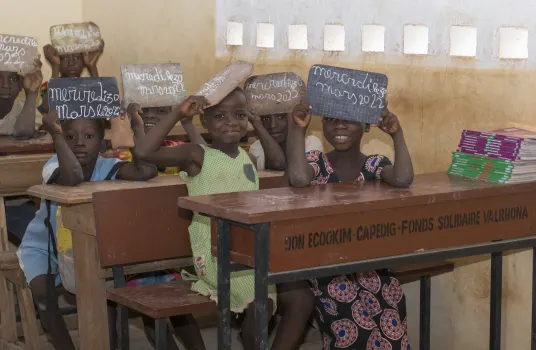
365 311
222 167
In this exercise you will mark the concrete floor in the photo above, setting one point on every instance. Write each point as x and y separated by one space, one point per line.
138 341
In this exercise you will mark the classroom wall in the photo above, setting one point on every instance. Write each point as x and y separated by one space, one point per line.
34 18
434 97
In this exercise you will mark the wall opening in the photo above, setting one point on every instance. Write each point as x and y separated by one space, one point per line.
415 40
265 35
297 37
514 43
463 41
373 38
334 38
235 34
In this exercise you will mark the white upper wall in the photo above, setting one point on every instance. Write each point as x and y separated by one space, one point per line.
438 16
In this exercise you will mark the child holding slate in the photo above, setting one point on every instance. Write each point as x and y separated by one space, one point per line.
45 264
270 98
366 310
68 66
17 118
221 168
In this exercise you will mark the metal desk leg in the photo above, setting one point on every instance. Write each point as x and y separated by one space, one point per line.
533 335
262 233
495 301
224 286
424 322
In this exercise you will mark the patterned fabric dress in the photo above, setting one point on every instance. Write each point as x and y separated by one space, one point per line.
220 174
365 311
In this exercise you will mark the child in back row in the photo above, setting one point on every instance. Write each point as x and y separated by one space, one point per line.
221 168
365 310
68 66
271 147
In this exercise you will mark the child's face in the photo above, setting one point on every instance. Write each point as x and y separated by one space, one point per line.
152 115
10 85
84 138
227 122
276 125
72 66
342 134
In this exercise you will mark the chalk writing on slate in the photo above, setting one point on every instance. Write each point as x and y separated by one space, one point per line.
153 85
76 38
346 93
78 98
274 93
17 53
225 81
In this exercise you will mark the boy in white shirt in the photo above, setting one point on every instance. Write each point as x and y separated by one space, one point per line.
269 149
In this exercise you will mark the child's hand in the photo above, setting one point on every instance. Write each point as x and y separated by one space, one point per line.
192 106
52 55
389 122
252 118
51 123
91 58
32 81
134 111
301 115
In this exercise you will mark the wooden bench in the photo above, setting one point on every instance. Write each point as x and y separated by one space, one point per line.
125 236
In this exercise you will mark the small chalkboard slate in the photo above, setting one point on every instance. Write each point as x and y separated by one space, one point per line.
274 93
225 82
17 53
346 93
76 38
79 98
153 85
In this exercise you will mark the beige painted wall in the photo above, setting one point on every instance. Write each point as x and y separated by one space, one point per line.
34 18
434 105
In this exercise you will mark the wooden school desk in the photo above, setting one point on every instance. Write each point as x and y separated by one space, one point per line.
79 217
290 234
21 164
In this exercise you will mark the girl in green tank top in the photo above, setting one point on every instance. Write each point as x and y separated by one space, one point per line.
222 167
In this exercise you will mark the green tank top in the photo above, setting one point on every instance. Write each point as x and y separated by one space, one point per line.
222 174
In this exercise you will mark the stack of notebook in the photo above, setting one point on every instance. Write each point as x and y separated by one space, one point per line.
504 156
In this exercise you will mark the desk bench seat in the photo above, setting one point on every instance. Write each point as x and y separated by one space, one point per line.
162 300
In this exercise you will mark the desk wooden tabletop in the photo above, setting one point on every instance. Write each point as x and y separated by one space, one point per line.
41 144
84 192
333 199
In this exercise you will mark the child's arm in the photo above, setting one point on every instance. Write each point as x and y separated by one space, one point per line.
300 173
149 147
71 173
25 125
137 170
191 131
401 173
53 58
274 157
91 59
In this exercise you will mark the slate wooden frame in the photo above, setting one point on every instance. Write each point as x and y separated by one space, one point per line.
225 81
69 44
167 78
347 94
18 53
274 93
100 97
